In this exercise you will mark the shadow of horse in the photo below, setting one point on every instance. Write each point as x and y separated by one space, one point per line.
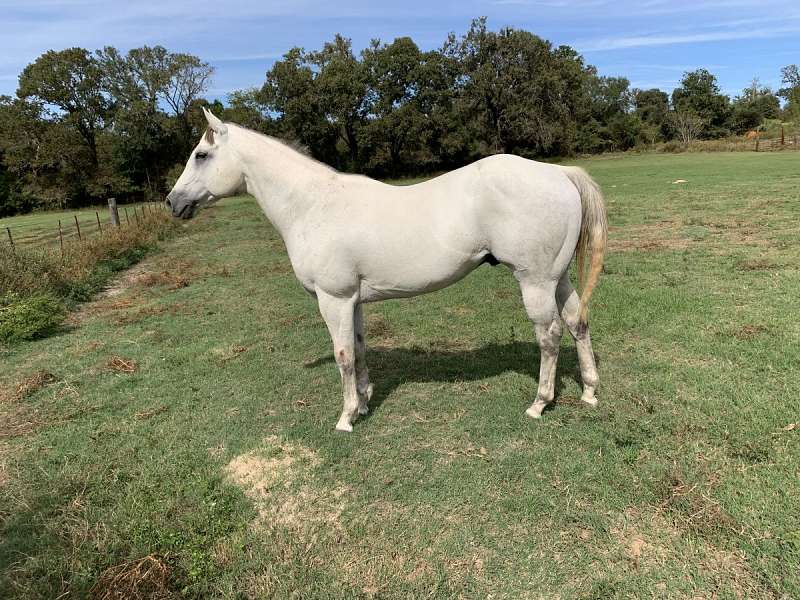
391 367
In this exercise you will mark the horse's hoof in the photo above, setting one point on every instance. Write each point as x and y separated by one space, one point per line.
363 410
344 427
369 392
535 410
591 400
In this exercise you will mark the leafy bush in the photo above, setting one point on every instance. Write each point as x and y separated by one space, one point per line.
26 318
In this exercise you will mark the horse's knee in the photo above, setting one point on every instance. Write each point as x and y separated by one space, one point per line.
346 361
549 337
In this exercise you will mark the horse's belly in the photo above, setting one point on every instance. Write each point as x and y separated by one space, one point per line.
415 277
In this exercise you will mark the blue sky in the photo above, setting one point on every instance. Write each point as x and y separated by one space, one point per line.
652 42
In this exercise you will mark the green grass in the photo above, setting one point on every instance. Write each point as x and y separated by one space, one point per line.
218 455
41 228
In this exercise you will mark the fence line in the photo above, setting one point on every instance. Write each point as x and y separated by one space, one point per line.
773 144
42 235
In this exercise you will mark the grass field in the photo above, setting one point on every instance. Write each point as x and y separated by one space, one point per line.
41 228
178 438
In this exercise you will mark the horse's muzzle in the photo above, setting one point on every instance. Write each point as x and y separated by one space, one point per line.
182 210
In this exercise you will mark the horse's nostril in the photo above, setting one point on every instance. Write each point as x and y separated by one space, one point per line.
169 204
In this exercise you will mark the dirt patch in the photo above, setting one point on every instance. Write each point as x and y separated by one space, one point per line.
147 577
126 281
279 479
146 274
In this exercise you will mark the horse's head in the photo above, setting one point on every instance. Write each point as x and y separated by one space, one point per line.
212 172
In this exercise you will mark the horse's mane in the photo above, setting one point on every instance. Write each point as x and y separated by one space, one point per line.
293 146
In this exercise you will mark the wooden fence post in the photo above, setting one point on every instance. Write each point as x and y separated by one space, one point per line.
61 239
10 239
78 227
783 137
756 144
112 209
127 218
99 227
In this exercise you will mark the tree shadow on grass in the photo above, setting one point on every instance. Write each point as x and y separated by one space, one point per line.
389 368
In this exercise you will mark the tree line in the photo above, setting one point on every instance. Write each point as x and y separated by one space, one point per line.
87 125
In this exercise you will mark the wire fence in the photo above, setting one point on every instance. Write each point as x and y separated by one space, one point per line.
773 144
50 230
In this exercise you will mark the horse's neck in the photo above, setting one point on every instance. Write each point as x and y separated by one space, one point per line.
284 182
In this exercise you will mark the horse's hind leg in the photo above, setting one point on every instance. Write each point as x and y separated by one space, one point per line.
569 306
363 386
540 304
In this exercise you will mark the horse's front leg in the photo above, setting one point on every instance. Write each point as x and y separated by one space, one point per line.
339 315
363 386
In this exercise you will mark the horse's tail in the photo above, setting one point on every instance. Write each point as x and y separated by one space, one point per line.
593 236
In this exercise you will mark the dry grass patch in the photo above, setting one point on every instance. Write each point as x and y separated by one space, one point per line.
378 327
17 418
143 578
759 264
649 541
5 470
119 364
278 478
146 414
225 354
748 332
33 383
691 506
654 236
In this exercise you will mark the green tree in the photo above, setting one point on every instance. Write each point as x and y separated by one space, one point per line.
652 108
341 86
408 101
247 108
699 94
753 106
291 92
610 123
791 93
70 81
522 95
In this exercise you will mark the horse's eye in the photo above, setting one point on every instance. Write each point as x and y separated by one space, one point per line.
200 155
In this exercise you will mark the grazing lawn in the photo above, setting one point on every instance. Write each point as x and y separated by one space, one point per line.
177 437
41 228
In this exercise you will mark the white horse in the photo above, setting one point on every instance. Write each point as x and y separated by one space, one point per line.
352 239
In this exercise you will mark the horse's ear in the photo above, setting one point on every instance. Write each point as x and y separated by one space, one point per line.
214 123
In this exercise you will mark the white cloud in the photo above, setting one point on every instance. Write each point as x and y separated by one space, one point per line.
638 41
